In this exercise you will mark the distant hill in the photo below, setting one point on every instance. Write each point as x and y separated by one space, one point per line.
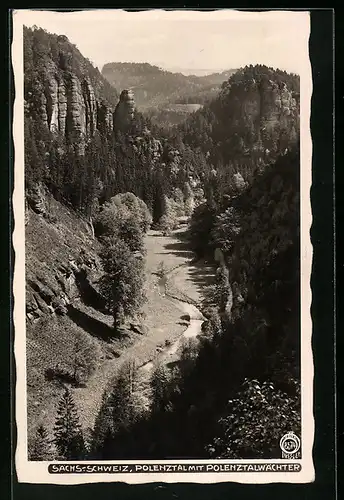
190 71
155 87
217 78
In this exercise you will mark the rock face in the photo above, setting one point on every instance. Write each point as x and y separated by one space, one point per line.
124 112
91 107
239 181
62 106
277 105
272 109
149 146
104 118
269 101
52 104
70 267
36 199
69 106
76 113
43 110
55 104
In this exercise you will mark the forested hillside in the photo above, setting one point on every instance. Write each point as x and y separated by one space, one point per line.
83 146
167 98
155 87
99 175
241 381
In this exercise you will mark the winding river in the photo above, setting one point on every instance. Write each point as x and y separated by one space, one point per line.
194 328
172 316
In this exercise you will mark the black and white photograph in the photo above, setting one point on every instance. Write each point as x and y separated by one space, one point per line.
162 276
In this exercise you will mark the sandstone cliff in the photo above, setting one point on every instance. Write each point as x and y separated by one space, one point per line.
63 91
124 112
149 146
104 117
265 109
69 107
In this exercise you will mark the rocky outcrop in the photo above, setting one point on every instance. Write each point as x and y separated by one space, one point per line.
62 262
52 104
269 101
91 107
43 110
277 104
104 118
62 106
149 146
76 113
270 108
239 181
124 112
68 282
68 106
173 157
36 199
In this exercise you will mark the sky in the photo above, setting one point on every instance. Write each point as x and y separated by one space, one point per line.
190 41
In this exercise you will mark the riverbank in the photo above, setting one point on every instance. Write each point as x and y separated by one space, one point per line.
167 320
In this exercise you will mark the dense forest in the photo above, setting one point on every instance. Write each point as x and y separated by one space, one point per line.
112 161
233 168
242 380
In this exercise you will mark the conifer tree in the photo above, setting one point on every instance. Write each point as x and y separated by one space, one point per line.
188 357
160 388
69 439
222 288
127 400
188 199
212 329
103 430
41 446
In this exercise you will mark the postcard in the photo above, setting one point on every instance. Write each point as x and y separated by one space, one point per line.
162 175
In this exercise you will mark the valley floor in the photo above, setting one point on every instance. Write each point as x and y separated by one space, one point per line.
165 319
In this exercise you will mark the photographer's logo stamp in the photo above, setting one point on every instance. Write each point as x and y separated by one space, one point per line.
290 445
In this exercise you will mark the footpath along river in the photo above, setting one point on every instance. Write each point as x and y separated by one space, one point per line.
171 315
191 311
